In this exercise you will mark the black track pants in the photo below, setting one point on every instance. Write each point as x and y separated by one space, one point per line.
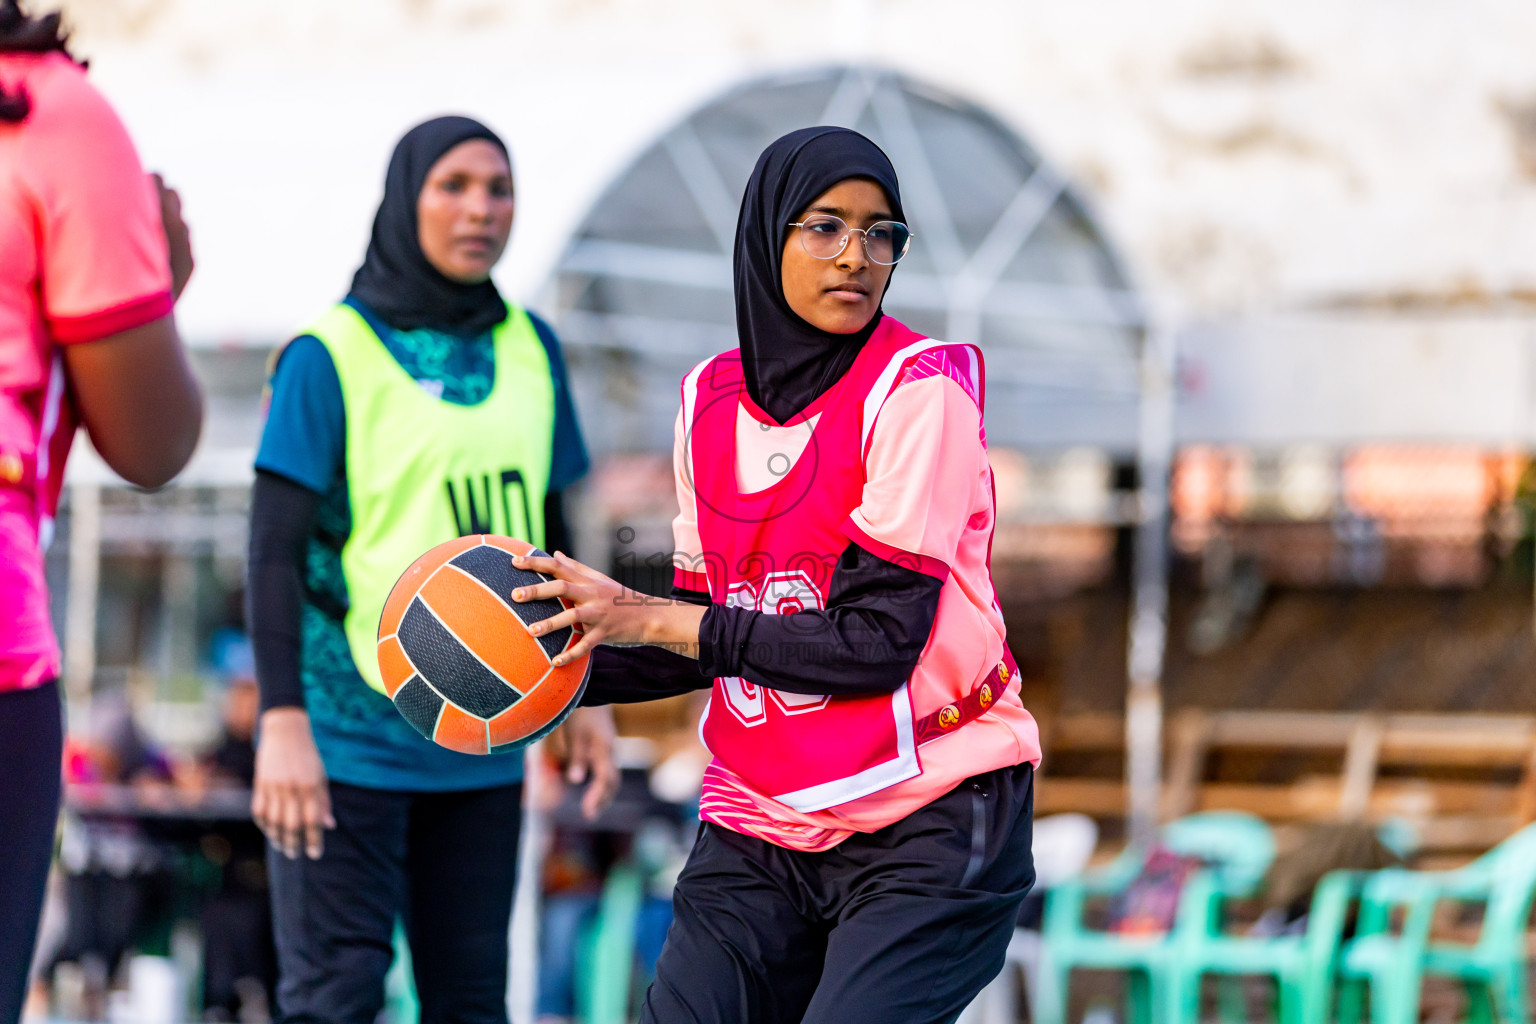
445 862
905 924
31 764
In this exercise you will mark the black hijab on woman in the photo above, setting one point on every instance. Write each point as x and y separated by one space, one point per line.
787 362
396 281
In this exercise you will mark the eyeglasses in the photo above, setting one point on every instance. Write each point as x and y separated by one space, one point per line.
825 237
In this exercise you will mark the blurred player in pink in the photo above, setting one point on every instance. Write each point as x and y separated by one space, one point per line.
92 256
867 814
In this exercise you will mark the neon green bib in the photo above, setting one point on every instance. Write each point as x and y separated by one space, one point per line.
421 470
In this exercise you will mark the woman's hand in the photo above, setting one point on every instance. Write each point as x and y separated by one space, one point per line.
291 799
589 738
606 612
177 236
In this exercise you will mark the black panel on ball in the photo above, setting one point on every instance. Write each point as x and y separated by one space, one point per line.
419 705
493 567
450 667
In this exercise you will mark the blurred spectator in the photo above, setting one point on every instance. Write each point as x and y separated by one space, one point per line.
239 963
574 868
649 828
116 880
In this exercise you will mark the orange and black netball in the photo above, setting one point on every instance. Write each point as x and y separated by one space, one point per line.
456 655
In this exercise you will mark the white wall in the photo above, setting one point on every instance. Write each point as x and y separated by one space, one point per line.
1285 380
1246 156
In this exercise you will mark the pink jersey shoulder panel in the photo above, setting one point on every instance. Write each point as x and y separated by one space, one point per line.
104 265
82 256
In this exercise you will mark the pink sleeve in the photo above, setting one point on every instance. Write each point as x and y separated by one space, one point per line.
925 476
688 557
103 257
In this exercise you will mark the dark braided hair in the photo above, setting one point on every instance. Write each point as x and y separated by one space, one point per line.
24 33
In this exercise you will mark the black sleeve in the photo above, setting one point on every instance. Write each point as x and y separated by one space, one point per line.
557 532
867 640
630 675
282 517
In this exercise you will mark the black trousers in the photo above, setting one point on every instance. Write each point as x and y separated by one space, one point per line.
31 764
903 925
444 862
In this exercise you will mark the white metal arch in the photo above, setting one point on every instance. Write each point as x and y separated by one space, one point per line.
1006 256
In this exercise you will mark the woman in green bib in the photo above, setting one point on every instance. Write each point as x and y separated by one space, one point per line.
422 408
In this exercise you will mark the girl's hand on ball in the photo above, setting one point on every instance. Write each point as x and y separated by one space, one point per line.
604 611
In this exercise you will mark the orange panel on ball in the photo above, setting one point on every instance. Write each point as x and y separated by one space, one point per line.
459 731
406 586
394 666
485 625
537 709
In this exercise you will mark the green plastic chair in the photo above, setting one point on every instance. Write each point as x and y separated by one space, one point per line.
1391 965
1303 966
606 960
400 1003
1237 849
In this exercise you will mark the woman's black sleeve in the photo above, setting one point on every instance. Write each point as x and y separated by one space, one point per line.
867 640
282 518
630 675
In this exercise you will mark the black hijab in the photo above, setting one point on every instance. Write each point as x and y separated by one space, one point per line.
787 362
396 281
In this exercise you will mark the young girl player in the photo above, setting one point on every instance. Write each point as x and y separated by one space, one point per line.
866 837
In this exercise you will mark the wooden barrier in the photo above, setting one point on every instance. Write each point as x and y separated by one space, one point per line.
1462 781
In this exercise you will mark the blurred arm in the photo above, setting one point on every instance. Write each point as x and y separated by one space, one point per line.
139 402
113 251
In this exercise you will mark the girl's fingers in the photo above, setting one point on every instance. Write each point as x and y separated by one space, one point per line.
548 566
588 641
541 591
569 617
267 816
576 569
600 791
326 817
292 829
597 763
559 565
315 815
